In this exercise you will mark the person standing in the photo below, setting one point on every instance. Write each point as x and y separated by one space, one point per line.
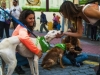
15 11
93 33
4 21
55 23
90 13
43 21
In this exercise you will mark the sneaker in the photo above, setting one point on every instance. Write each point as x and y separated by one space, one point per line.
19 70
78 64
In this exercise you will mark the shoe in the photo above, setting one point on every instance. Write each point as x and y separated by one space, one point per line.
77 64
26 65
81 63
19 70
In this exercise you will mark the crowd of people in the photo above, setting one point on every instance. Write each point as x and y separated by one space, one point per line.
90 13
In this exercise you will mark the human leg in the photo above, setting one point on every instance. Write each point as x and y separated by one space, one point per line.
80 58
45 28
66 61
41 28
91 33
95 32
1 29
20 62
6 26
14 24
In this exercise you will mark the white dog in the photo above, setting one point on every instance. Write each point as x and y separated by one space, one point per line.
8 50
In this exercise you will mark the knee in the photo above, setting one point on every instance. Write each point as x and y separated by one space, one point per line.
85 56
65 60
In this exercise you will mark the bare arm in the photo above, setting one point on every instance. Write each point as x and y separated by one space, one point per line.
92 12
79 29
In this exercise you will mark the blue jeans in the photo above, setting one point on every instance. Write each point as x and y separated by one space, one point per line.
21 60
79 58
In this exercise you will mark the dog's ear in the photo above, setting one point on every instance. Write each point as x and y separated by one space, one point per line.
68 46
63 40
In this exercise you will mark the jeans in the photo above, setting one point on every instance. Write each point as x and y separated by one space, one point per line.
93 32
21 60
4 26
79 59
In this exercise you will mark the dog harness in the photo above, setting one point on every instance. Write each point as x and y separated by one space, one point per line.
23 36
62 46
44 45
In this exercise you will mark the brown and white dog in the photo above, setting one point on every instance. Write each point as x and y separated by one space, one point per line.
8 52
53 57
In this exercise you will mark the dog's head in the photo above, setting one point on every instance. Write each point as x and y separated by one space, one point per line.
48 64
69 46
51 35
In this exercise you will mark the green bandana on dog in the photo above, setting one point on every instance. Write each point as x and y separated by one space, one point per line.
44 45
62 46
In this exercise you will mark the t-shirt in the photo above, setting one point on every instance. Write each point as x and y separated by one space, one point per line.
3 15
15 11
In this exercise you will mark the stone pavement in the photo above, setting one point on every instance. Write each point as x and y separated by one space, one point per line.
92 48
86 69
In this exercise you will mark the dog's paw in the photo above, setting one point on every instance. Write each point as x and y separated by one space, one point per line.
63 66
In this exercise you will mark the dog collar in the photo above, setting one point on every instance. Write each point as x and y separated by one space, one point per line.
62 46
44 45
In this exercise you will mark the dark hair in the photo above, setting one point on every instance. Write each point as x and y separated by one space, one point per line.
91 1
23 17
69 9
15 1
70 39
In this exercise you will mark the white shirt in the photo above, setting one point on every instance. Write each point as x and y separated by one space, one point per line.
91 20
15 11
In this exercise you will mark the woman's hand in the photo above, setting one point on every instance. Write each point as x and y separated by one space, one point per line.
39 54
58 35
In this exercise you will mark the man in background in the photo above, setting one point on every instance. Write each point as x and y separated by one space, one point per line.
43 22
15 11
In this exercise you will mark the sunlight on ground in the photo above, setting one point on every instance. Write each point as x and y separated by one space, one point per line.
91 62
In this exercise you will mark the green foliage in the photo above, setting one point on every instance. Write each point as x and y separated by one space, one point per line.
42 9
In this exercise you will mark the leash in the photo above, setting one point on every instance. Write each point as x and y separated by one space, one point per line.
16 20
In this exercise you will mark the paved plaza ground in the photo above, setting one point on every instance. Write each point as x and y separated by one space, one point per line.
92 48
